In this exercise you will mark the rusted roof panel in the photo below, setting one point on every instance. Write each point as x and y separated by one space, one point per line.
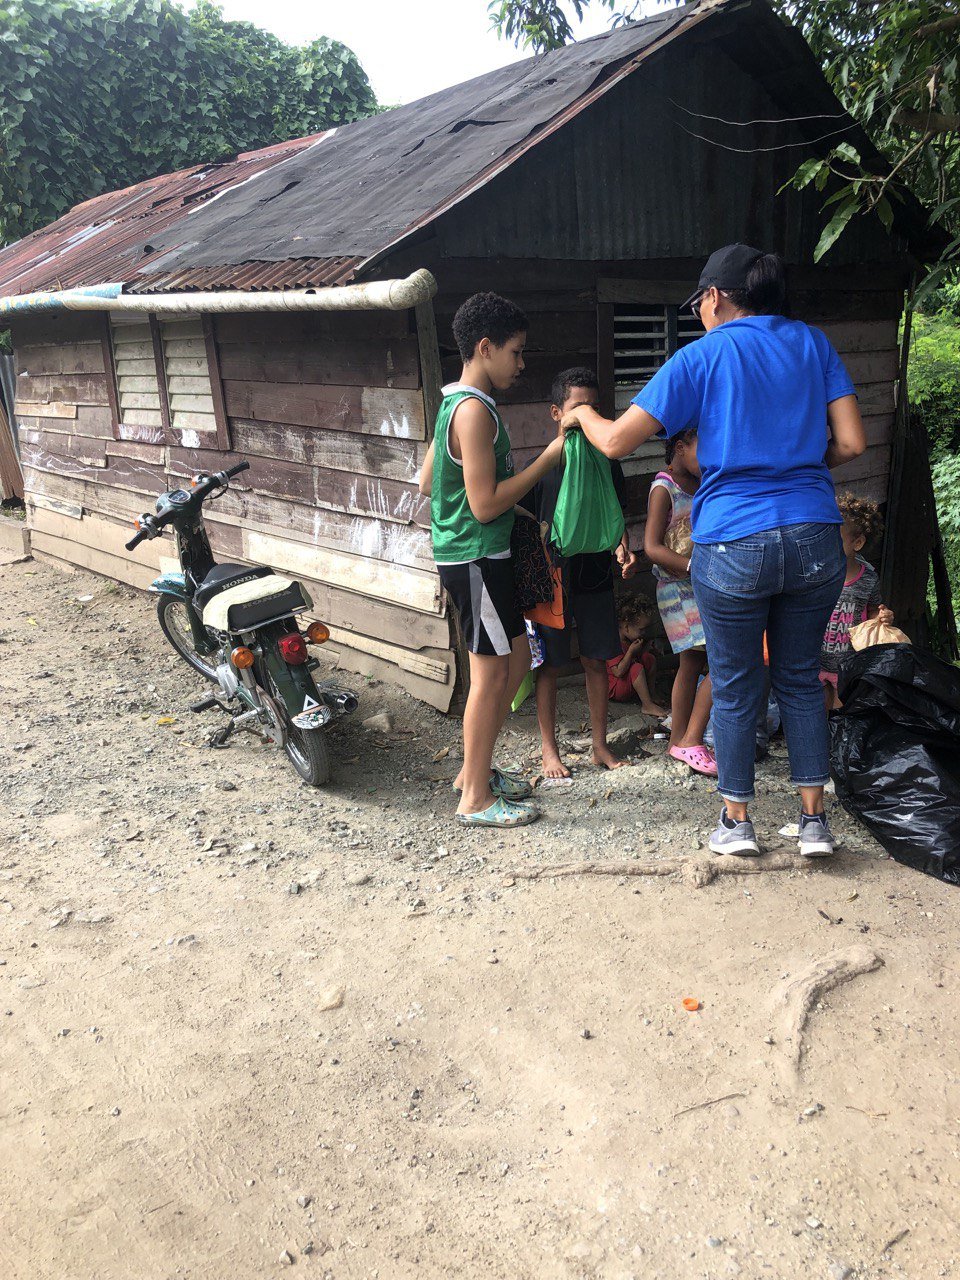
296 273
110 238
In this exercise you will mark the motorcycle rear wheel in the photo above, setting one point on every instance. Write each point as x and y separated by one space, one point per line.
175 625
306 749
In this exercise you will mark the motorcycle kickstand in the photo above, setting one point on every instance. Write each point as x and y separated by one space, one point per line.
219 736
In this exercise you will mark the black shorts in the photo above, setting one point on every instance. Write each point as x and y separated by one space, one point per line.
484 596
598 633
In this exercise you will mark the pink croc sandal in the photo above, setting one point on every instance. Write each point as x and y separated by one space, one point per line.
699 759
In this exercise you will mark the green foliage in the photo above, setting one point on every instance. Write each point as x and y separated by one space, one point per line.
96 96
934 379
946 487
934 384
535 24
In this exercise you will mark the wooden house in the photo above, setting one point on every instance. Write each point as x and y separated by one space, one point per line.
588 184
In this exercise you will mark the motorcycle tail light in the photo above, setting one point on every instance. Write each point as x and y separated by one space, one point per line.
293 649
241 658
318 633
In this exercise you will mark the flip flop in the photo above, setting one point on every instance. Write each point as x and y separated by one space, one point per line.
500 814
508 784
699 759
556 782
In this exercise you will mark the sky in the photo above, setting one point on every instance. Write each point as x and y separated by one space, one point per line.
408 48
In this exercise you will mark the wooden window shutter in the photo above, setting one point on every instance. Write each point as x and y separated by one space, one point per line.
138 401
640 347
194 392
635 338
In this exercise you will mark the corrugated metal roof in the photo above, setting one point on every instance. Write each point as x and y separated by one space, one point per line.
295 273
378 180
316 211
112 237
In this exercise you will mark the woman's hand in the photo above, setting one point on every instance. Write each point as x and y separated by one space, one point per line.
885 616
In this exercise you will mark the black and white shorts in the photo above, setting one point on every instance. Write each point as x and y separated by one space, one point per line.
484 596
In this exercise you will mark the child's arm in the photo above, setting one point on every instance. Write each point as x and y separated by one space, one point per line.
474 436
625 663
426 472
615 439
659 508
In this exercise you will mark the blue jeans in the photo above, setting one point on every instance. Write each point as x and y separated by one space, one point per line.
785 582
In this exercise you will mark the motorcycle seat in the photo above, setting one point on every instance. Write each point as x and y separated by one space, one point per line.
226 611
222 576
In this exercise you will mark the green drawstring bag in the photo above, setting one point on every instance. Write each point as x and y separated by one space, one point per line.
588 517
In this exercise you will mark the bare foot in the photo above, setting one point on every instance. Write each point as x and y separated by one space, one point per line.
604 758
651 709
553 766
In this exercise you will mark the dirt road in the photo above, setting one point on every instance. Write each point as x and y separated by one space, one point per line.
247 1026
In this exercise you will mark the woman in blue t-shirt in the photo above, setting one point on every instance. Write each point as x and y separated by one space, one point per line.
775 410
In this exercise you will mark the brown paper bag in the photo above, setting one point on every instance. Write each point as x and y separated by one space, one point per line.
872 632
679 537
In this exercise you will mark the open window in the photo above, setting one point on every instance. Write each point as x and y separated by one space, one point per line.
166 381
644 337
637 332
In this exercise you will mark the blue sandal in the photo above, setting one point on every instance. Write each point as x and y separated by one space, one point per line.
508 784
502 813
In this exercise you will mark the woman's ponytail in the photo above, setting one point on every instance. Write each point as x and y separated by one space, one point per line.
765 289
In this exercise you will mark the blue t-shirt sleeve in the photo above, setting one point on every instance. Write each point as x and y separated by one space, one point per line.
672 395
836 381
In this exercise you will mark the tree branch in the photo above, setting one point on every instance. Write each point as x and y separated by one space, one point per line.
934 28
926 121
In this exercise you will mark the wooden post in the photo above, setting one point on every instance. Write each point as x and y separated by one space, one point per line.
898 455
11 477
431 376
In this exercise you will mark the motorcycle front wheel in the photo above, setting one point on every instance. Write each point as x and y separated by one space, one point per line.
306 749
175 625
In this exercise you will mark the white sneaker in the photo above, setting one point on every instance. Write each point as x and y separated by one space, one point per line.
816 838
739 838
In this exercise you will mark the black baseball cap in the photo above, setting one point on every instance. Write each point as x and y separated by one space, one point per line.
726 268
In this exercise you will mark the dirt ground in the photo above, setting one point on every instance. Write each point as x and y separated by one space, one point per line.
249 1026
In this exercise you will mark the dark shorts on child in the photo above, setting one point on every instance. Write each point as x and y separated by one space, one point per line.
484 595
598 635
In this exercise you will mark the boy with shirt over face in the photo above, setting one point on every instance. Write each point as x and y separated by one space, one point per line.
468 472
588 600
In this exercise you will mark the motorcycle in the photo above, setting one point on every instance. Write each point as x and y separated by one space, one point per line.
236 625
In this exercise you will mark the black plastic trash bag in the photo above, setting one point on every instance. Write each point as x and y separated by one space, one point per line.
895 754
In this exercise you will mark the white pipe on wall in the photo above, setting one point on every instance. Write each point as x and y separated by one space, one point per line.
376 295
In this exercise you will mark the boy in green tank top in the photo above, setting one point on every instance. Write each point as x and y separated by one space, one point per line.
468 472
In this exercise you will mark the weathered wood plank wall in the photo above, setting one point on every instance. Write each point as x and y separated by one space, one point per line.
328 411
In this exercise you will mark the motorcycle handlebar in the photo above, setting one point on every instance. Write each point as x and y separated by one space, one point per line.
204 485
137 538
